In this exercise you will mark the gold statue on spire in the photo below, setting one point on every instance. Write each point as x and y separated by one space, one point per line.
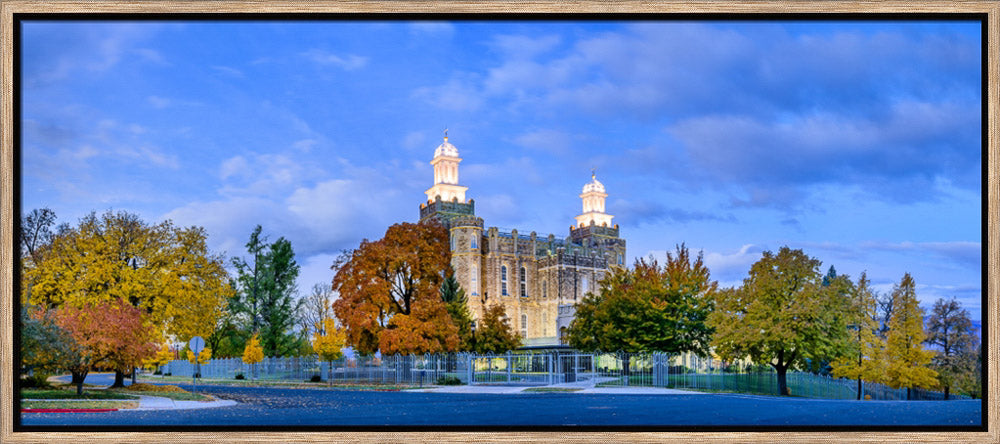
446 134
593 172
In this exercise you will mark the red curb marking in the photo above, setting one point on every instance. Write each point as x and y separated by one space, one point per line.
67 410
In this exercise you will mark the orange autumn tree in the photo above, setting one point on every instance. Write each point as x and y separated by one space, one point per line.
109 333
389 289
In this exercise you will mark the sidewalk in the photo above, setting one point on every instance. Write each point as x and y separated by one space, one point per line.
157 403
160 403
588 386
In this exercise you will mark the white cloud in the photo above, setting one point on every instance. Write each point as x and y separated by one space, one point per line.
151 55
415 140
459 94
229 71
315 270
347 62
432 28
549 140
233 166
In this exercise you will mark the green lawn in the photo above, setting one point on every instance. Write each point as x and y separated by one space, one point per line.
58 404
752 383
70 393
551 389
287 384
176 396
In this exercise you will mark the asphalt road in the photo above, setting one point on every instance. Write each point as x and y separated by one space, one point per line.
260 406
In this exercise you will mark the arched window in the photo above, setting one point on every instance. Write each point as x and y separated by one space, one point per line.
524 287
545 289
452 242
545 323
621 259
474 242
584 285
503 280
474 279
524 326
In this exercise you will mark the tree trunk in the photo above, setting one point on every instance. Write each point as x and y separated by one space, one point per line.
907 393
133 375
329 373
782 381
859 389
119 379
625 366
78 378
947 390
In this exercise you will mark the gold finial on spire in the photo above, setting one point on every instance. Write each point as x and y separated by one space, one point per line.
446 134
593 173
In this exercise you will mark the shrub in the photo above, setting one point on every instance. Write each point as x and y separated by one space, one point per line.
37 380
168 374
448 380
157 372
240 376
315 378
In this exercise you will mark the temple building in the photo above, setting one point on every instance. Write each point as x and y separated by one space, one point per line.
538 280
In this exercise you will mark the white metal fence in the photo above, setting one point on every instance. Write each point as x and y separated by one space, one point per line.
542 368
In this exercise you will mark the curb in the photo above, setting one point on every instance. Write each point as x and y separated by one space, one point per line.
67 410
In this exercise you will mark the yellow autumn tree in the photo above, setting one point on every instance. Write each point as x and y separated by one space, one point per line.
203 357
161 358
253 353
866 361
165 271
907 361
328 343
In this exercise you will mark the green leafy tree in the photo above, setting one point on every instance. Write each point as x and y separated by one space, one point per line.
493 333
456 303
264 299
906 358
782 315
45 347
866 360
648 308
950 330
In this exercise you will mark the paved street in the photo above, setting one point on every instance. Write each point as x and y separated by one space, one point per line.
313 407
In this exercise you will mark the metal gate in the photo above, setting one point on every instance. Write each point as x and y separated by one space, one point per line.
511 369
576 367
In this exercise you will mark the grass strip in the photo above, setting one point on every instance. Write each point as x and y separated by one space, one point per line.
71 394
551 389
57 404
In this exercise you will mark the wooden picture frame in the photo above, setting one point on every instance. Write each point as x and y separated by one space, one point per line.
7 172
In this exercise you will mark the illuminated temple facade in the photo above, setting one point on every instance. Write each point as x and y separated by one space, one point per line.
537 279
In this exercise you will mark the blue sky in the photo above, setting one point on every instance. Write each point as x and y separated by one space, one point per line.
858 142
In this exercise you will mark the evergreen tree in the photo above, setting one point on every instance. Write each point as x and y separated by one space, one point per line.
906 358
457 305
265 293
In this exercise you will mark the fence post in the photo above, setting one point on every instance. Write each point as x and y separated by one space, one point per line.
548 367
508 367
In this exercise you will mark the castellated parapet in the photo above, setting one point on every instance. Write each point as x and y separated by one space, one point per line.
537 279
